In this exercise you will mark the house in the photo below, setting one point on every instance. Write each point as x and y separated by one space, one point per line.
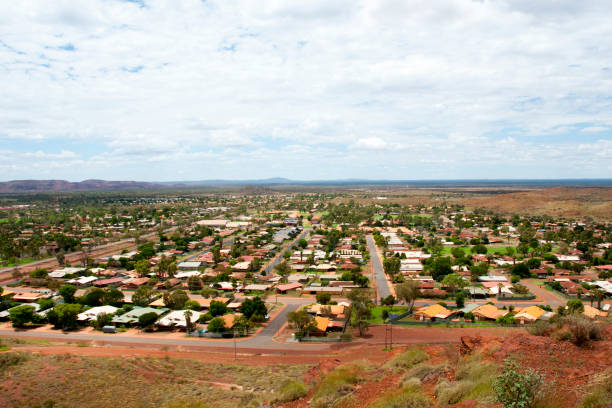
94 312
189 266
321 325
108 282
433 312
288 286
83 280
488 312
177 318
529 314
257 288
135 283
132 316
593 313
186 274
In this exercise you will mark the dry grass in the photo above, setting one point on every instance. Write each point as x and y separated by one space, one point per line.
74 381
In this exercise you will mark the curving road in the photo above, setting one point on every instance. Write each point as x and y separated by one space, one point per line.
264 339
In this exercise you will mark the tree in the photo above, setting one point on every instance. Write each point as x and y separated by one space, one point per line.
323 298
283 268
598 294
188 323
192 305
454 281
147 320
194 283
361 310
441 267
216 325
93 297
575 306
460 299
21 315
176 299
39 273
66 315
521 269
113 297
479 249
302 321
408 291
392 265
302 243
217 308
241 325
143 296
102 320
478 270
67 292
143 267
457 252
252 307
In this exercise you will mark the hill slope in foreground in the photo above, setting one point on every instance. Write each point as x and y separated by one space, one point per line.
456 375
558 202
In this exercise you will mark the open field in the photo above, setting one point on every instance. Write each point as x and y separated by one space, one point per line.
557 202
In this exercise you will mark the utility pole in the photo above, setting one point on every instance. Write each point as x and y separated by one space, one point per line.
235 355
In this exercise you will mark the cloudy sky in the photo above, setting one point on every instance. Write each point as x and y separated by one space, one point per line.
319 89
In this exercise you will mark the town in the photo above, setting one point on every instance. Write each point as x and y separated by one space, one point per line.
224 266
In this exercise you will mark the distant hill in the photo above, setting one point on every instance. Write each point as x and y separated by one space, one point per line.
18 186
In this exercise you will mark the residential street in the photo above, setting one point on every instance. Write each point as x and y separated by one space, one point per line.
379 273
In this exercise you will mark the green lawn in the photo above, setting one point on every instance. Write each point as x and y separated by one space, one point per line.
21 261
377 312
467 250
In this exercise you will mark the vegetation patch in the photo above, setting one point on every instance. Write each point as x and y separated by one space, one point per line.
407 359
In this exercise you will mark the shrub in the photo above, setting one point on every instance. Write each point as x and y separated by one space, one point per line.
216 325
582 330
600 392
336 384
147 320
452 392
11 359
292 391
409 397
539 328
407 359
516 387
424 371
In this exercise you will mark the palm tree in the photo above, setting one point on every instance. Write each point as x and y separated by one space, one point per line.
598 294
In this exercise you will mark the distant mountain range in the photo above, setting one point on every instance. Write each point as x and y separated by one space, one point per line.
17 186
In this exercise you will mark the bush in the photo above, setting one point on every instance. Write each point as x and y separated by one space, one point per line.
516 387
292 391
336 384
410 397
452 392
11 359
422 372
600 392
407 359
147 320
216 325
582 330
539 328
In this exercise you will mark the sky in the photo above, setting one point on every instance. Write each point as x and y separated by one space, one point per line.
308 90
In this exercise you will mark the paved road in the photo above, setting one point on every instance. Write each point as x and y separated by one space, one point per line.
263 340
279 258
377 266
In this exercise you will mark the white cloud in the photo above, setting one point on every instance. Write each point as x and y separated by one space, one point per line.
424 81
